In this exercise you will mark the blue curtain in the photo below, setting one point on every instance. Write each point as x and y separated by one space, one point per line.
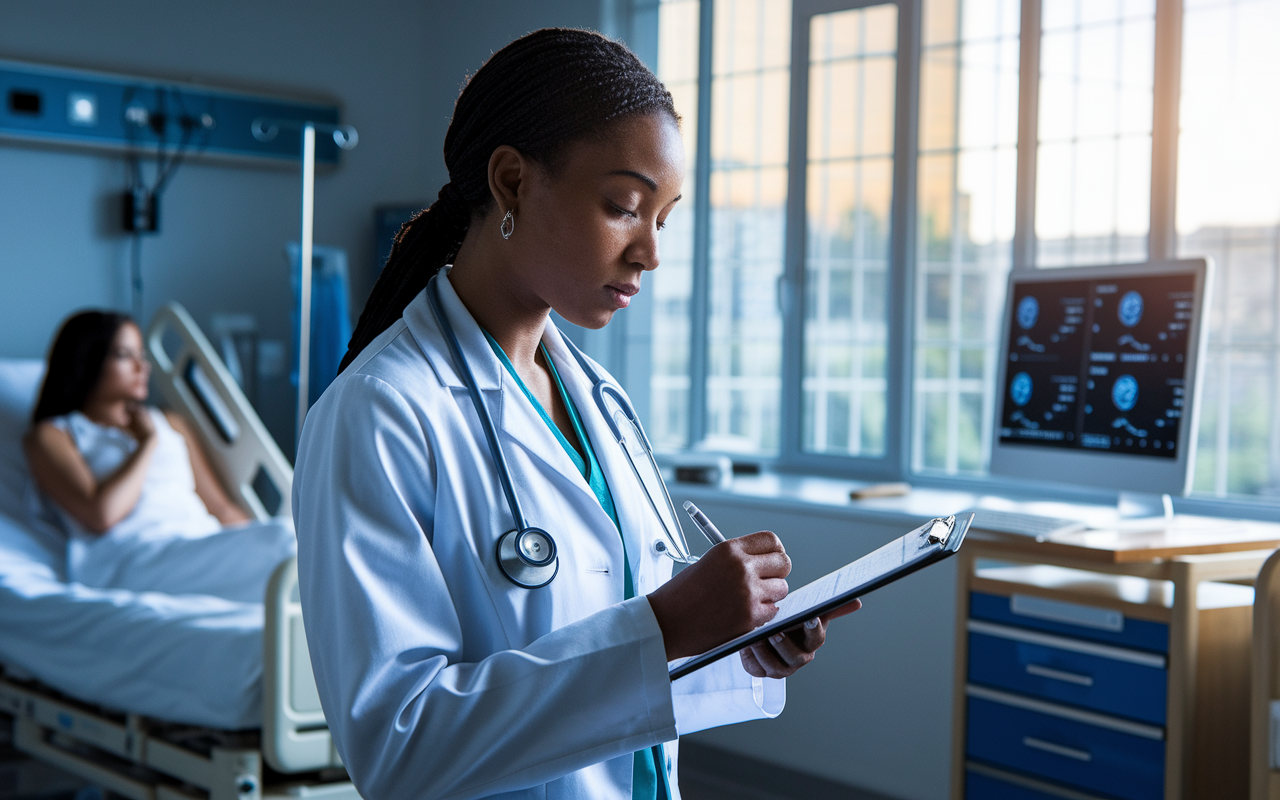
330 314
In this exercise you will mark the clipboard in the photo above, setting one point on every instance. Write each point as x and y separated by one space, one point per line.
930 543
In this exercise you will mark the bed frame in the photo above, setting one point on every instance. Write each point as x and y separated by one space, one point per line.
145 759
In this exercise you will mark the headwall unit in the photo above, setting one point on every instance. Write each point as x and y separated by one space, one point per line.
100 110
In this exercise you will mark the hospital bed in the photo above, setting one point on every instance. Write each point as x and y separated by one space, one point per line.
158 697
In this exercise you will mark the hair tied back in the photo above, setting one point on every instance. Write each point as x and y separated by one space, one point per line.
539 94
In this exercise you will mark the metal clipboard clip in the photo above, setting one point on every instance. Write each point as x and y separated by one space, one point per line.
940 529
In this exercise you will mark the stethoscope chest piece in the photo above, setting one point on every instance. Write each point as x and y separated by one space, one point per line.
528 557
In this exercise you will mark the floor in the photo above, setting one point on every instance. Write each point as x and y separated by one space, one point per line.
708 773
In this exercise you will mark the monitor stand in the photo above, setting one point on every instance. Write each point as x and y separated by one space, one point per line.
1142 511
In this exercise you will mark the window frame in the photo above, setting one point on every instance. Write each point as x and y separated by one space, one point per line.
639 27
792 456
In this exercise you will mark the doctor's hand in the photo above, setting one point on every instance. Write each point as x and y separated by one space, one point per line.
731 590
784 653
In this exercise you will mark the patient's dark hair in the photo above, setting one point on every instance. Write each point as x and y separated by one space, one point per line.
75 362
539 94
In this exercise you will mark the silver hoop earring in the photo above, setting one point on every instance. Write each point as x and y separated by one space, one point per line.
508 226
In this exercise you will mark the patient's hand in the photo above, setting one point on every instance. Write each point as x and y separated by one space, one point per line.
141 426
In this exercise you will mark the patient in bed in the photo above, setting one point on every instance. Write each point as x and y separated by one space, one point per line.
131 485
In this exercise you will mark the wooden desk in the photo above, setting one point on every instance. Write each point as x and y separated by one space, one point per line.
1180 579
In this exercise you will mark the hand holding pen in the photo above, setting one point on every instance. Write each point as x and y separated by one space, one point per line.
783 653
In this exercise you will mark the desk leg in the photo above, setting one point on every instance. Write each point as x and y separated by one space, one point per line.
1183 636
1261 778
1208 728
964 574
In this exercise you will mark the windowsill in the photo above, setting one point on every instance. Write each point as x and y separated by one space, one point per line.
814 494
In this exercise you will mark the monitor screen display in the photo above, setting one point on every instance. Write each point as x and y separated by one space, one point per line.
1099 364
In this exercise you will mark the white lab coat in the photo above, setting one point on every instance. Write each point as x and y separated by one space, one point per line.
439 677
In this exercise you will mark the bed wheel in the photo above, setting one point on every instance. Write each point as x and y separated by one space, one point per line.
246 787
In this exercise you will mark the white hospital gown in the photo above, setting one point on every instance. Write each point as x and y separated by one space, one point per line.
169 542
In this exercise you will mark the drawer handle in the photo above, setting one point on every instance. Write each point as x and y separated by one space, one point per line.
1057 749
1059 675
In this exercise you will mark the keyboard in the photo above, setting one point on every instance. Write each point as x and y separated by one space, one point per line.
1025 524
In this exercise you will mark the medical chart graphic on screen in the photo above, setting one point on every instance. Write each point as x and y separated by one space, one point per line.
1099 364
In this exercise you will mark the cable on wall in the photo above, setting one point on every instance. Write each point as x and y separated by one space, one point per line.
142 198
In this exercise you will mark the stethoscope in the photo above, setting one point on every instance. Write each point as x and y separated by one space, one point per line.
528 555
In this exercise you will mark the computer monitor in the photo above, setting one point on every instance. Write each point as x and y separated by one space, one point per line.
1099 379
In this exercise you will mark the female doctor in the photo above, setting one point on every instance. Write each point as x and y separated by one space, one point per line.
443 668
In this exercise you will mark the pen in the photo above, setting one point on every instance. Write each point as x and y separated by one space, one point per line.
708 530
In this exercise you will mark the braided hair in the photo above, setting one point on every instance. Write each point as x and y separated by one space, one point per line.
539 94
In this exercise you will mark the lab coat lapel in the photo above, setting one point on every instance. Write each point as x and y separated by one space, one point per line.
435 345
633 511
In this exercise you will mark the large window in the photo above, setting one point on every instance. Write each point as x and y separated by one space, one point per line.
786 304
868 173
964 226
849 183
1093 165
747 223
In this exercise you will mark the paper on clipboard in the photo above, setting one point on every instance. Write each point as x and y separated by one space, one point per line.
935 540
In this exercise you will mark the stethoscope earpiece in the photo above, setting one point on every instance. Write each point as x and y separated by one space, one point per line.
528 557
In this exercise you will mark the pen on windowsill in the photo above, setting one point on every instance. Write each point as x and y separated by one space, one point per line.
699 519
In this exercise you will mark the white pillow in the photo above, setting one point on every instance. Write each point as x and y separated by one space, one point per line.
19 384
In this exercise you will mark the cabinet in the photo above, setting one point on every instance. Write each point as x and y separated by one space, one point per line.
1104 666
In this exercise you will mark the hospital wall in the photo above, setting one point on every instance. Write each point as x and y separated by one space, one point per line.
873 710
395 67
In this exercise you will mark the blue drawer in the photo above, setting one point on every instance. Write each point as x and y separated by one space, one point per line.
986 787
1140 634
1066 751
1127 683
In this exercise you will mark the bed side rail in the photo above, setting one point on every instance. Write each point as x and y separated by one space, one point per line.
295 737
195 382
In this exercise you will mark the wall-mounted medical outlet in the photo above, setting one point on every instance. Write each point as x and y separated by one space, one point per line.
141 210
24 102
118 112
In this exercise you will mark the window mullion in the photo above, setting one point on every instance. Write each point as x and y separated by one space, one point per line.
1164 129
792 295
700 302
902 260
1024 225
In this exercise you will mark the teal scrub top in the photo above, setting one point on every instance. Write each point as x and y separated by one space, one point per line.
648 776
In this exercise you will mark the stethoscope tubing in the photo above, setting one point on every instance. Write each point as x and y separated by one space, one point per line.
599 390
486 420
598 393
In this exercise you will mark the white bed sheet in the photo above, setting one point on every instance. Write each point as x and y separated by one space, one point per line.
190 659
